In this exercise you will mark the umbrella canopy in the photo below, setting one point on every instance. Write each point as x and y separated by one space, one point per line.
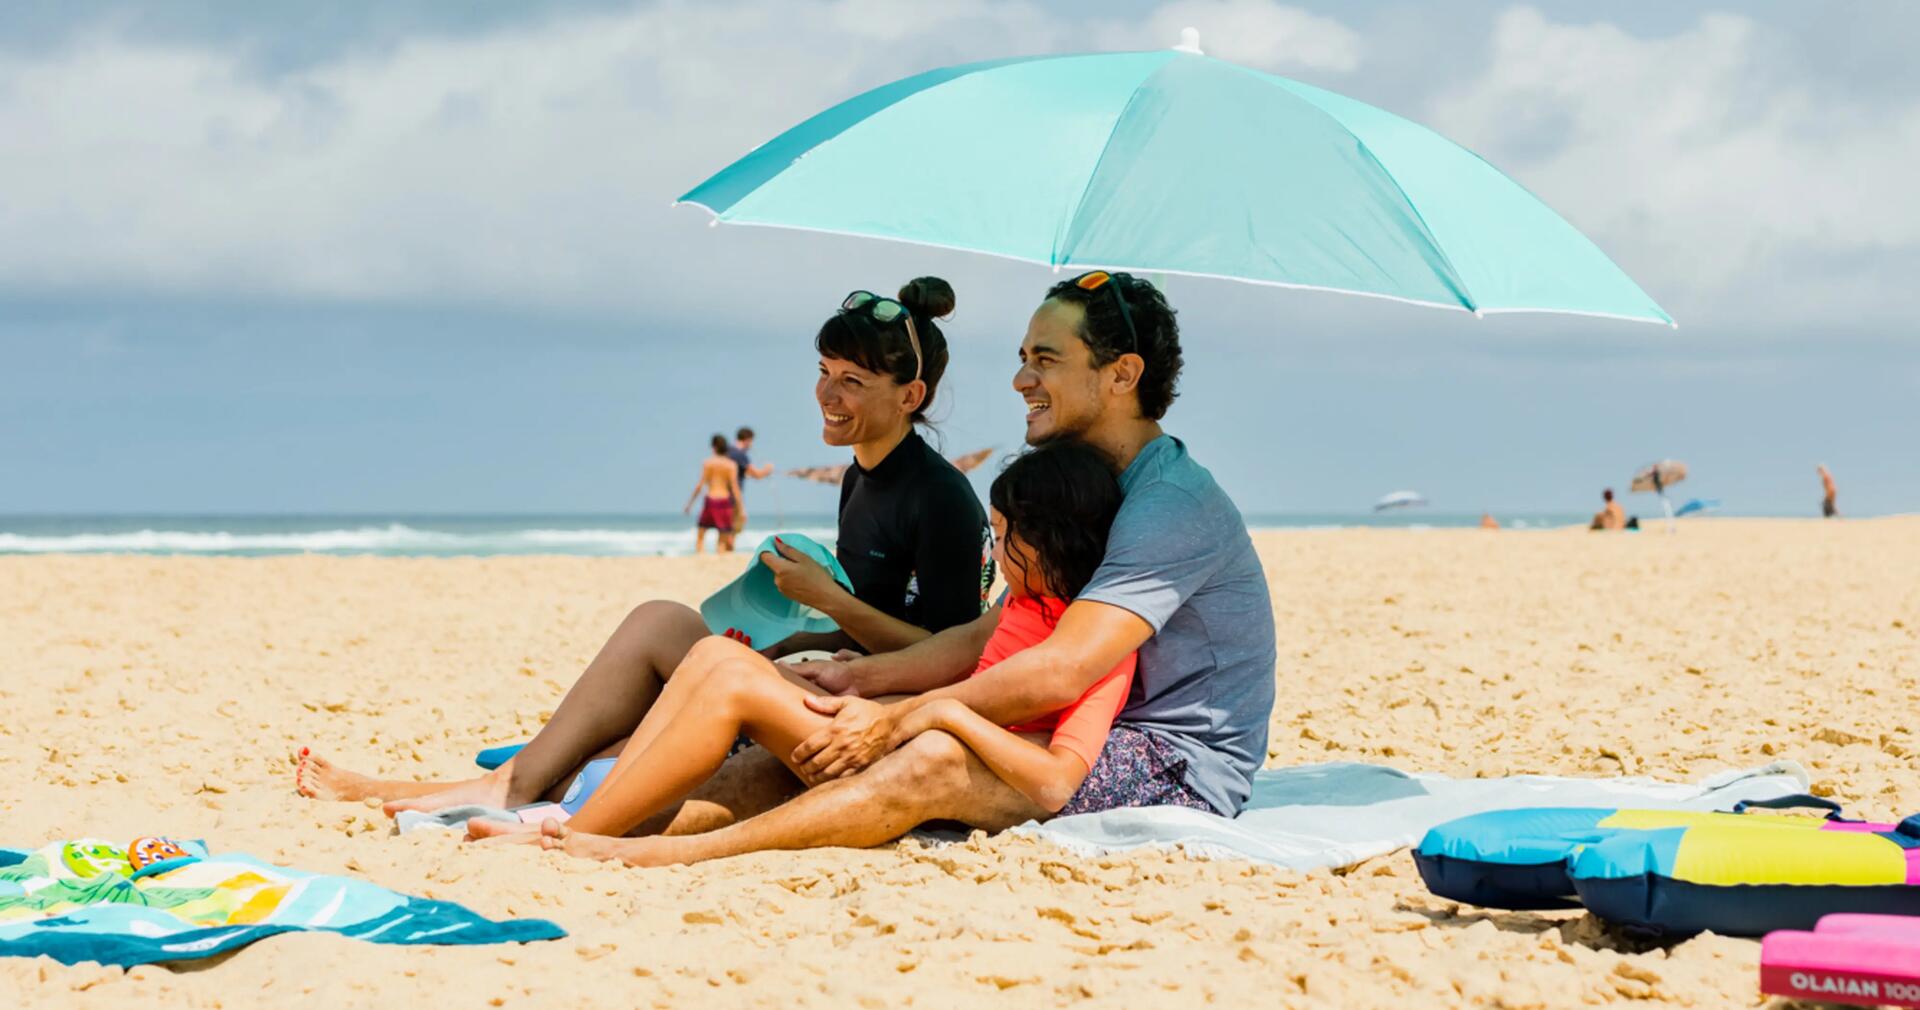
832 474
1174 162
1399 500
1697 505
1659 476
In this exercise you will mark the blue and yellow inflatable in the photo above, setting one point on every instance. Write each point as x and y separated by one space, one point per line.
1671 872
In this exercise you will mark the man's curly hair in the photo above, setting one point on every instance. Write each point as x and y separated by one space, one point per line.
1106 334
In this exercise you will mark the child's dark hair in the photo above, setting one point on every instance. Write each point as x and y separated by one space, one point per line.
884 348
1059 499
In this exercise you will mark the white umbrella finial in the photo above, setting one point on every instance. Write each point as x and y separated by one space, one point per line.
1189 42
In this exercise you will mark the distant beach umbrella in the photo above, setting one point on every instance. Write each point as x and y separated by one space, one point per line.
832 474
1399 500
820 474
1697 505
1174 162
1659 476
971 461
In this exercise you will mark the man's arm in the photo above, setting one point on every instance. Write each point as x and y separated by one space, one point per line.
1090 640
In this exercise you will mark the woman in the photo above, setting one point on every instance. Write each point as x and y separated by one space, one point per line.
720 476
912 540
1052 508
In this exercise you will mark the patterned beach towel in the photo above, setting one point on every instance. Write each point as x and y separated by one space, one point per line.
1340 813
157 900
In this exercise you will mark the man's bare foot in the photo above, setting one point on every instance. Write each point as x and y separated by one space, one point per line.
489 790
319 779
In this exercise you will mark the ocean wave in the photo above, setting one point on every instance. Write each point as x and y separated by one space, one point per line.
392 539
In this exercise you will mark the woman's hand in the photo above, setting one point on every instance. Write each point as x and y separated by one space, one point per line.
834 676
800 578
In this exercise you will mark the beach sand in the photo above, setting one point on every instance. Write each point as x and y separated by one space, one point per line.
162 695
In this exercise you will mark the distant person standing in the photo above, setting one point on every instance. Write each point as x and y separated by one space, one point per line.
742 444
720 478
1610 517
1827 506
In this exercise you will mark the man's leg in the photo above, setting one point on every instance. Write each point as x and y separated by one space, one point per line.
604 705
933 777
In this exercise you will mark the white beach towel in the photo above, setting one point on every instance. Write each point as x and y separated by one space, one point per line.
1337 814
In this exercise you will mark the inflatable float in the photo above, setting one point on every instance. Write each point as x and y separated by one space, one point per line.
1675 873
1871 960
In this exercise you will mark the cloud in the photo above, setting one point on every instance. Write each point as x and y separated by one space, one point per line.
1256 33
530 164
1735 190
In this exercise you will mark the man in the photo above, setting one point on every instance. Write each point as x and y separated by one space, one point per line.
742 443
1610 517
1828 494
1181 583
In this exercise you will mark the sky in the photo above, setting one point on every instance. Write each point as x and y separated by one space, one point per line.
410 257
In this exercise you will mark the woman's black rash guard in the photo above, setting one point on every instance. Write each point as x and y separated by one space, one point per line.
914 539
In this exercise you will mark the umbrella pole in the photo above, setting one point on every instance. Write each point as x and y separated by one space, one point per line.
1667 504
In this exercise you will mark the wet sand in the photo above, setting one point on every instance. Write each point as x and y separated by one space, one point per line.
161 695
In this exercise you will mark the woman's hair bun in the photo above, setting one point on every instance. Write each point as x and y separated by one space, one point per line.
928 296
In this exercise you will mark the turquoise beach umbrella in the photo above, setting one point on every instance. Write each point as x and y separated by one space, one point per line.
1178 163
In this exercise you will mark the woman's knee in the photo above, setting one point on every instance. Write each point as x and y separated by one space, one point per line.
661 615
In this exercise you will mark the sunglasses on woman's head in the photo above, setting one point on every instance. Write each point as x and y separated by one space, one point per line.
884 311
1101 279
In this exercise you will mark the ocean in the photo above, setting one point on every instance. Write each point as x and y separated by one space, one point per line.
407 535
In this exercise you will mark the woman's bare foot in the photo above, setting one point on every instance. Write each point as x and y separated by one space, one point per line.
319 779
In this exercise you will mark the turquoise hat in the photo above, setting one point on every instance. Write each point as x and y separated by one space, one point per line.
753 604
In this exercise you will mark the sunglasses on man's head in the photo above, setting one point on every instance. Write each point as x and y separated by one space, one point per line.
1101 279
884 311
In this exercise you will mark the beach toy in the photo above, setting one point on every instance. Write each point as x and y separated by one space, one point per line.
585 783
752 604
152 851
88 858
1866 959
1743 878
1517 859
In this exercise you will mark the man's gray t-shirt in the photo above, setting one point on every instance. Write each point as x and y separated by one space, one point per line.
1180 558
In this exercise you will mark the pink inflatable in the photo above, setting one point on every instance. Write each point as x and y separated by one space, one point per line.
1872 960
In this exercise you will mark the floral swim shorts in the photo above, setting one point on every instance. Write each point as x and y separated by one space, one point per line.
1135 769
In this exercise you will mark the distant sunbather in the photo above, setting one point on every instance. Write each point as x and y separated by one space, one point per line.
1052 509
1612 517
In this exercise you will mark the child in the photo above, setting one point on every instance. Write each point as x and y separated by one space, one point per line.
1052 509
